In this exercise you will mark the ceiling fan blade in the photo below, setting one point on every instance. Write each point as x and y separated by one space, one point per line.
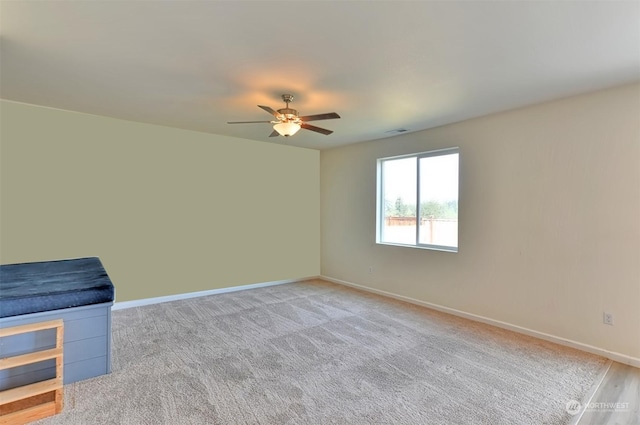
246 122
327 116
316 129
274 134
269 110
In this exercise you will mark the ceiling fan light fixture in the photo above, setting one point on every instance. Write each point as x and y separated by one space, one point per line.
286 129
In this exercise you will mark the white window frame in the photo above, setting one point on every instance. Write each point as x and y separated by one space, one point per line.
380 204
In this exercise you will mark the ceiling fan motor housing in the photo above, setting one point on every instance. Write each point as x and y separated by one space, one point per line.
288 114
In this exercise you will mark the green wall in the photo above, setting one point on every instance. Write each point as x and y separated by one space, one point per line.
168 211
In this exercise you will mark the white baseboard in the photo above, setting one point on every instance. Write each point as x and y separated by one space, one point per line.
157 300
618 357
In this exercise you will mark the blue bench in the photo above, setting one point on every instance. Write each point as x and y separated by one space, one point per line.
79 292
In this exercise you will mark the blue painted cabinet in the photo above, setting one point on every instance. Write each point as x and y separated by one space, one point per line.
87 328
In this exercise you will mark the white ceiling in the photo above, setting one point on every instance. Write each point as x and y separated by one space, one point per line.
382 65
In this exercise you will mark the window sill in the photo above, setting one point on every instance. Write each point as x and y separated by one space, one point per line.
427 247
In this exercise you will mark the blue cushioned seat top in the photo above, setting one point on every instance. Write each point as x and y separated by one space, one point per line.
51 285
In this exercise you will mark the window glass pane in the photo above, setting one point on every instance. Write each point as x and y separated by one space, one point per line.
399 194
439 200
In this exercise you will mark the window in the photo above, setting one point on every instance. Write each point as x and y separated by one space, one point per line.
418 200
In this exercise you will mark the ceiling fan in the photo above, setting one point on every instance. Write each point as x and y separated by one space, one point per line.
287 122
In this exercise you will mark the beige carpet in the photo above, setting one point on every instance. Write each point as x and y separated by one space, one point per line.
319 353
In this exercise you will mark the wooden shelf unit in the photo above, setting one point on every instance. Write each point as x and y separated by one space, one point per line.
38 400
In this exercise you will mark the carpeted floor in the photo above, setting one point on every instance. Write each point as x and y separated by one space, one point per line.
319 353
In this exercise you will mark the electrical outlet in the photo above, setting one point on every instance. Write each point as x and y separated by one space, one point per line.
370 269
607 318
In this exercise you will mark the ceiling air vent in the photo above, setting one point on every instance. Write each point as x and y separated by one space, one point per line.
396 131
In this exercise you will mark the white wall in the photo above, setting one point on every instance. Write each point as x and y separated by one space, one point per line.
549 220
168 211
